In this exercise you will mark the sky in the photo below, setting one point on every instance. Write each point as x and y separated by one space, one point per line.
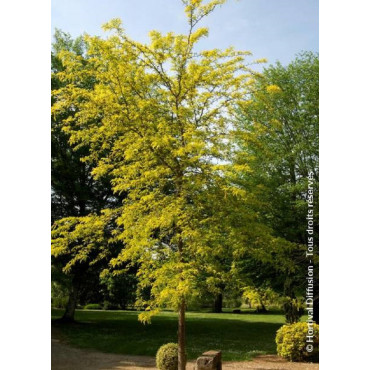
272 29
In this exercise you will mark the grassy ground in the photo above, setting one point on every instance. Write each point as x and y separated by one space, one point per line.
239 336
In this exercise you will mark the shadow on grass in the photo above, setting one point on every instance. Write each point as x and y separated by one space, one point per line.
67 357
239 338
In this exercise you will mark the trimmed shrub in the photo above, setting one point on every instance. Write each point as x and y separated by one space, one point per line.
110 306
167 357
292 345
93 306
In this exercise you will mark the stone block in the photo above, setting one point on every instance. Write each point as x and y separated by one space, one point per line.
210 360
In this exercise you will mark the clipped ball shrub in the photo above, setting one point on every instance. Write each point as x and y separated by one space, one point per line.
292 342
167 357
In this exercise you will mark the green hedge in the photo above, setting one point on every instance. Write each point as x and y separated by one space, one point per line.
93 306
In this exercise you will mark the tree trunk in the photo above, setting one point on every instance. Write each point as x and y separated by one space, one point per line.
218 303
181 337
263 308
71 305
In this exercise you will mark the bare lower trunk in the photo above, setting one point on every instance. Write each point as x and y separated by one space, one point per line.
71 305
181 337
218 303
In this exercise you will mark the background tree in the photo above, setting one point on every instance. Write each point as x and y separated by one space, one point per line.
259 297
74 192
278 140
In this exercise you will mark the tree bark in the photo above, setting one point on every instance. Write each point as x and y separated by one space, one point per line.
71 305
218 303
181 337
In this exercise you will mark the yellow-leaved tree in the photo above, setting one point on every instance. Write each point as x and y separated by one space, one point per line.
157 121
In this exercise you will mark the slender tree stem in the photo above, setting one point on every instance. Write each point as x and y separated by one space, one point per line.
181 336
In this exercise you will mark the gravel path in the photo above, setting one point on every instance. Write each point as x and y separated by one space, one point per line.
65 357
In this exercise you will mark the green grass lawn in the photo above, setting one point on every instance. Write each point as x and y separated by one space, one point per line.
239 336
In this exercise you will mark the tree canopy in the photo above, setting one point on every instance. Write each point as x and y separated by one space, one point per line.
278 138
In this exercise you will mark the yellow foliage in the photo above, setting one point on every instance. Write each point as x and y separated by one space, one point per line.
273 89
158 121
